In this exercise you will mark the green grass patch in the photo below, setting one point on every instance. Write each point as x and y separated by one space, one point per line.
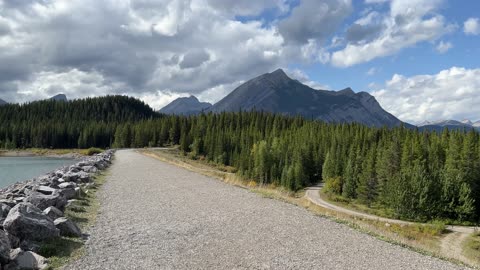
91 151
83 212
471 248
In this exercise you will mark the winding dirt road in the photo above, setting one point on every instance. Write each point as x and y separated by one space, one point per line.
159 216
451 245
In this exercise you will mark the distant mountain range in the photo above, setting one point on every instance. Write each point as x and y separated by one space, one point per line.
276 92
450 124
59 97
186 106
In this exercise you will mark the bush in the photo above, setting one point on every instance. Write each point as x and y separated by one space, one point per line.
92 151
333 185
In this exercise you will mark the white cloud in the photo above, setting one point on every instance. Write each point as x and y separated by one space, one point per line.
74 83
408 23
443 47
372 71
471 26
376 1
314 20
302 77
158 99
145 46
450 94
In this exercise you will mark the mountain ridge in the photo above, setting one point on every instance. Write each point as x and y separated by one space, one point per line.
185 106
276 92
451 124
59 97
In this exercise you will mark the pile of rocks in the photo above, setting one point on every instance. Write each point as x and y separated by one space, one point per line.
32 212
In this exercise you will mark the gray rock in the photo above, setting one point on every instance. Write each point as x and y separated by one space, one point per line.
67 227
4 210
18 200
27 222
53 212
90 169
81 177
59 173
67 185
4 248
74 168
68 193
30 245
14 241
26 260
45 190
8 202
43 201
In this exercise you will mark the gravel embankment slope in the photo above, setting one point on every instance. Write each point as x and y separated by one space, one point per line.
158 216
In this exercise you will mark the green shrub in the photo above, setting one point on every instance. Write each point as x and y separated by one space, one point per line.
333 185
92 151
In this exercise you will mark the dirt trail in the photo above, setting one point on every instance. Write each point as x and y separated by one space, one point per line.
450 246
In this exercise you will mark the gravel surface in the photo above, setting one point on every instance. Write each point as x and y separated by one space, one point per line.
158 216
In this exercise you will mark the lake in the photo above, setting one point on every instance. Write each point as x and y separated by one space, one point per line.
15 169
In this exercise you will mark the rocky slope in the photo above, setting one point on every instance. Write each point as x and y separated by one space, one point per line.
32 212
276 92
185 106
3 102
59 97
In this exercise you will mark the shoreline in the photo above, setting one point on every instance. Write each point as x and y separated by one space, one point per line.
44 217
50 153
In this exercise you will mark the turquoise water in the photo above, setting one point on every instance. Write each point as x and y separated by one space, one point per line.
14 169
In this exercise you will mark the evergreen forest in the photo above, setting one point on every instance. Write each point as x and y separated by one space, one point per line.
414 175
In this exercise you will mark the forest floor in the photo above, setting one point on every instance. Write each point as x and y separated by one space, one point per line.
155 215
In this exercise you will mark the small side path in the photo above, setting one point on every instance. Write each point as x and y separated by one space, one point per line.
451 245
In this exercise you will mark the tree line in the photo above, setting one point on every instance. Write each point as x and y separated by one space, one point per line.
414 175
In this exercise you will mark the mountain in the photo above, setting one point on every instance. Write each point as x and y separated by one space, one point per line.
3 102
276 92
59 97
467 122
185 106
450 124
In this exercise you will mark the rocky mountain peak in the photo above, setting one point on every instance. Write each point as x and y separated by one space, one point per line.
186 106
59 97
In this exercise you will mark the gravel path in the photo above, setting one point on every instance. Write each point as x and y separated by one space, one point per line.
158 216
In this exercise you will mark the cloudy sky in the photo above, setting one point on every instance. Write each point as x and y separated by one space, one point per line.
419 58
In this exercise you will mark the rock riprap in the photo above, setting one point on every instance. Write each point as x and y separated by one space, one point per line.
27 222
31 212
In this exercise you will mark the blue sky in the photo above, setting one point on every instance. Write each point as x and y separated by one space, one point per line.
419 58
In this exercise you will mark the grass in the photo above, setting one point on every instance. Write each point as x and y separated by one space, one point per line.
91 151
49 152
378 210
352 205
471 248
83 212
